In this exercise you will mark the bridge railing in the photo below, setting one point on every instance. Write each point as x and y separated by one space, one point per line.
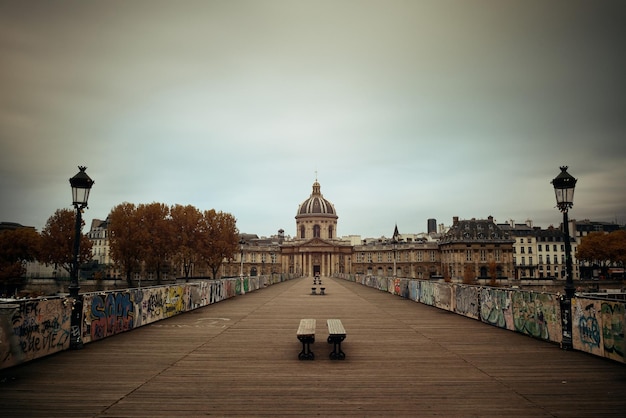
34 328
598 325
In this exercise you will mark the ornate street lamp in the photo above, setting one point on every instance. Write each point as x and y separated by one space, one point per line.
81 185
241 243
564 185
394 243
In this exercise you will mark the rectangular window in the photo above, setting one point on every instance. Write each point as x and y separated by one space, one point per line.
530 250
369 257
522 250
433 255
420 256
483 255
523 261
468 255
539 247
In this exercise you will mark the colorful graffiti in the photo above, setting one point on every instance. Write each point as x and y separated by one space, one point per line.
466 301
613 321
495 308
108 314
41 327
37 328
537 315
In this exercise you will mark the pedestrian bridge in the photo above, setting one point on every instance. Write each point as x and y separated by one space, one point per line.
239 357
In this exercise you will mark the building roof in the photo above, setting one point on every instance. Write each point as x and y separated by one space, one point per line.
316 204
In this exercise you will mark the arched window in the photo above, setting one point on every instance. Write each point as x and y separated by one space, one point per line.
316 231
301 231
330 232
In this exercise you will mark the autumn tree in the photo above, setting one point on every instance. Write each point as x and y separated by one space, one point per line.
616 243
125 248
155 236
469 274
57 241
17 246
603 249
186 229
219 239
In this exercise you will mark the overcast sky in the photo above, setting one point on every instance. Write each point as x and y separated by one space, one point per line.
404 110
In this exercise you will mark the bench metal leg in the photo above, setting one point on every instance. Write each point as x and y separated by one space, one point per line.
322 289
314 291
337 353
306 353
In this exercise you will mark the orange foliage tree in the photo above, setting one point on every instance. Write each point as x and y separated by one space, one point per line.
186 229
17 246
57 241
219 239
155 237
124 226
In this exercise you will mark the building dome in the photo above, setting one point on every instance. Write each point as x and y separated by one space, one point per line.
316 204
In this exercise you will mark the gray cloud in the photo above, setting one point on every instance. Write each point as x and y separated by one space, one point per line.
407 110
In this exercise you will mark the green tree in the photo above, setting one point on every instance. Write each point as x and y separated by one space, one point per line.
57 241
124 228
219 239
186 229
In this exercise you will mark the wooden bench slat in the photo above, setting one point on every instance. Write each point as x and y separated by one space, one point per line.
307 327
335 327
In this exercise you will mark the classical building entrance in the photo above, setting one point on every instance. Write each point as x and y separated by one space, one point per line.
316 249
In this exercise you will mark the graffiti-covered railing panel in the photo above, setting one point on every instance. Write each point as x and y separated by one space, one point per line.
39 327
598 325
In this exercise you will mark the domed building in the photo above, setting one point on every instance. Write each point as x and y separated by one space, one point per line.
316 249
316 217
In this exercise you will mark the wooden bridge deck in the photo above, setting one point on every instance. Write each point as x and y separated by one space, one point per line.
239 357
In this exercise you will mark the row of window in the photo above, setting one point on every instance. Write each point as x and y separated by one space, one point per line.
530 260
483 255
529 250
417 256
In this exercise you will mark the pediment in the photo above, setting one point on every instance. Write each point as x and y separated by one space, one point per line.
316 242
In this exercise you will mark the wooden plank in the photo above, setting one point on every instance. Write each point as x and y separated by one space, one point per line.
335 327
306 328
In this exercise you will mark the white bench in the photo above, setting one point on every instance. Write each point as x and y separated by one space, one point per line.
306 335
336 334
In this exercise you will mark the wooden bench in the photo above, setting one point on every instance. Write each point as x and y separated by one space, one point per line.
322 290
306 335
336 334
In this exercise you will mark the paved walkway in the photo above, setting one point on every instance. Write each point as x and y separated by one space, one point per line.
239 358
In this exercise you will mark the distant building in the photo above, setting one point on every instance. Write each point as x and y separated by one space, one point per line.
432 226
476 248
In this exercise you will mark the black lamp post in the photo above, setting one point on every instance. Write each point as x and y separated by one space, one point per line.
241 243
81 185
394 244
564 185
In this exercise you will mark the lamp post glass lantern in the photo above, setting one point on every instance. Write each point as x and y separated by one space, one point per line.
564 185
